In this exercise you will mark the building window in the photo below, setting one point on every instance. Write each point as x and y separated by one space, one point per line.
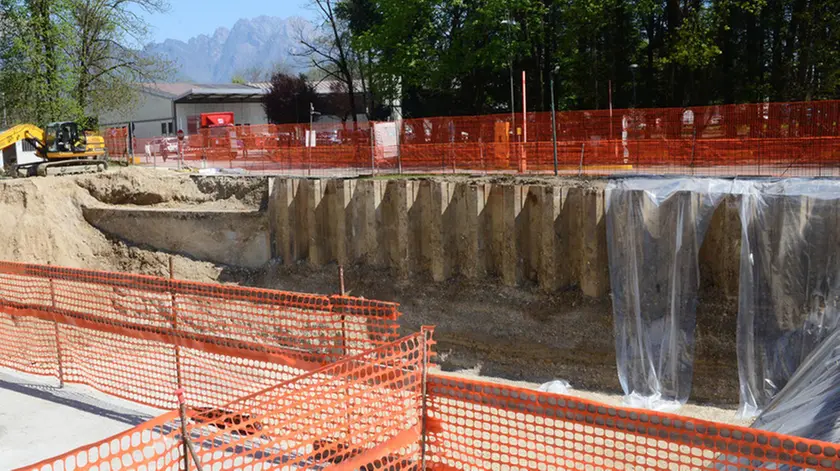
163 128
170 129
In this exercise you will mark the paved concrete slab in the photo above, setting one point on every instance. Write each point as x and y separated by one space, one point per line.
39 420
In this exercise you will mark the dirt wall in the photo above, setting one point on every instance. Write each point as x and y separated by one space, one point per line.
230 237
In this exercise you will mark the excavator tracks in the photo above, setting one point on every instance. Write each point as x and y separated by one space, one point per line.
62 167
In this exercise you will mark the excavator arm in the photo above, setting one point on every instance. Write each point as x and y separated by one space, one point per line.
21 132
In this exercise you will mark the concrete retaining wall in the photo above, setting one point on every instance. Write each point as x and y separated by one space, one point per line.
238 238
553 236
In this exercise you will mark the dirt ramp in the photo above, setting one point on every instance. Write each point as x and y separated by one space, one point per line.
42 221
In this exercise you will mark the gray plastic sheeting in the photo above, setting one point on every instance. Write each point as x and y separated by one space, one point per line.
789 293
655 228
789 288
809 406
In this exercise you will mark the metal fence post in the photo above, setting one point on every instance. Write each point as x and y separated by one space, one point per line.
399 148
57 338
175 324
373 149
693 148
582 150
427 333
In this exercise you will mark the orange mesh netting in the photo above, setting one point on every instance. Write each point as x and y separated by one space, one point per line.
293 381
756 139
363 412
139 337
482 425
116 142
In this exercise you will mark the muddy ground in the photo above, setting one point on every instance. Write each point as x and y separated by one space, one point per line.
519 334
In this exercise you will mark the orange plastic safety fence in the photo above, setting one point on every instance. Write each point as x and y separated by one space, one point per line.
116 142
764 138
28 345
482 425
147 446
140 337
363 412
307 328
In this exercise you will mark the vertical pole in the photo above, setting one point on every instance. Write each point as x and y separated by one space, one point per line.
582 151
693 147
309 140
189 449
372 148
553 124
399 145
178 369
524 111
175 324
615 146
57 339
523 159
426 332
512 92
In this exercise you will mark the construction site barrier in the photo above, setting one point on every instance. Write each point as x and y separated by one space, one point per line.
800 138
293 401
140 337
480 425
362 412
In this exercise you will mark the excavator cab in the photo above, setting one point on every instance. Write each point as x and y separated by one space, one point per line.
64 138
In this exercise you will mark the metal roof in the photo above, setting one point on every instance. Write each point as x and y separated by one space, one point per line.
214 93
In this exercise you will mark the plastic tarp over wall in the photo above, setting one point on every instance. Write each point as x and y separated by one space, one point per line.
809 406
789 294
655 228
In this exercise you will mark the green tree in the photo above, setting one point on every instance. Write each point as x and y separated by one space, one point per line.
64 59
288 100
454 56
109 66
35 79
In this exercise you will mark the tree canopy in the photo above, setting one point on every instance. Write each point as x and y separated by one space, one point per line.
68 59
288 100
455 56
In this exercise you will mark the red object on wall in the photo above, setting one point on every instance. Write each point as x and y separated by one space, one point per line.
213 120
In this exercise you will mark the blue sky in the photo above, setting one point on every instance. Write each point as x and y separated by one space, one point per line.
188 18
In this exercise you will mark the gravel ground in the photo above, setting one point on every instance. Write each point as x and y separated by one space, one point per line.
716 413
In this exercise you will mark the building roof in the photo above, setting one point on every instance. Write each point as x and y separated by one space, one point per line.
325 87
205 92
261 85
322 87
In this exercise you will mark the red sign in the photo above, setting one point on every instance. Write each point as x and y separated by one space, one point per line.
180 134
212 120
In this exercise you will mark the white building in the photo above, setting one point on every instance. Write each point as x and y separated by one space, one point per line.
164 108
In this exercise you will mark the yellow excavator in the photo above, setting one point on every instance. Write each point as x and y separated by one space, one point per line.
62 147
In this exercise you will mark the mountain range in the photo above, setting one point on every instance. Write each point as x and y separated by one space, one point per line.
252 45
